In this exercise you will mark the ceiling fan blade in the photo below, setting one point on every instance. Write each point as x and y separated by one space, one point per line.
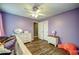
44 8
41 14
31 12
28 7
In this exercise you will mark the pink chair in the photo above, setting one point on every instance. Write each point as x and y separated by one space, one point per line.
69 47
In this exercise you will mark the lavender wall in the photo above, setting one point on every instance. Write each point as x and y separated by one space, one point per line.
66 25
12 22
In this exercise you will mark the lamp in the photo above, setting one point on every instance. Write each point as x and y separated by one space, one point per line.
54 32
18 30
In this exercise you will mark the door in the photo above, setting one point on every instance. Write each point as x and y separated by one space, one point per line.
40 30
35 30
43 30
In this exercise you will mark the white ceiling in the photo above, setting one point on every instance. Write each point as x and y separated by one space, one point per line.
48 9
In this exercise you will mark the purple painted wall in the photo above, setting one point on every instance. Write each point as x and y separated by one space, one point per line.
12 22
66 25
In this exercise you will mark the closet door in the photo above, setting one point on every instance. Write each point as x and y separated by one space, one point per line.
43 30
40 30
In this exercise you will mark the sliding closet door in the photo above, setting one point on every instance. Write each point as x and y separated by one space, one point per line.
43 30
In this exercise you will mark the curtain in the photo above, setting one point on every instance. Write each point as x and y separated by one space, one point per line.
1 26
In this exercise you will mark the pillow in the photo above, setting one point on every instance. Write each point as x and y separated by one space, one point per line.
9 44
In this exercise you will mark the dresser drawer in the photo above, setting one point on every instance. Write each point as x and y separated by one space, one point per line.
53 40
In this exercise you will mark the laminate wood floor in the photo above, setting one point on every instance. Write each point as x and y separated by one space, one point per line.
41 47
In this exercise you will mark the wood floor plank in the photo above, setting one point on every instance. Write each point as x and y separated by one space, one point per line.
41 47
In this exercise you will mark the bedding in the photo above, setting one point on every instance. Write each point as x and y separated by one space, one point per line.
4 50
72 48
8 42
3 38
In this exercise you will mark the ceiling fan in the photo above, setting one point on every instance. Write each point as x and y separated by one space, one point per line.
34 10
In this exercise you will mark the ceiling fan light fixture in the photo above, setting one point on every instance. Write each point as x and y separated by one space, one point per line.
35 8
34 15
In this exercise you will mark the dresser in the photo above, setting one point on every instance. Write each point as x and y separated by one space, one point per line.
53 40
25 37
